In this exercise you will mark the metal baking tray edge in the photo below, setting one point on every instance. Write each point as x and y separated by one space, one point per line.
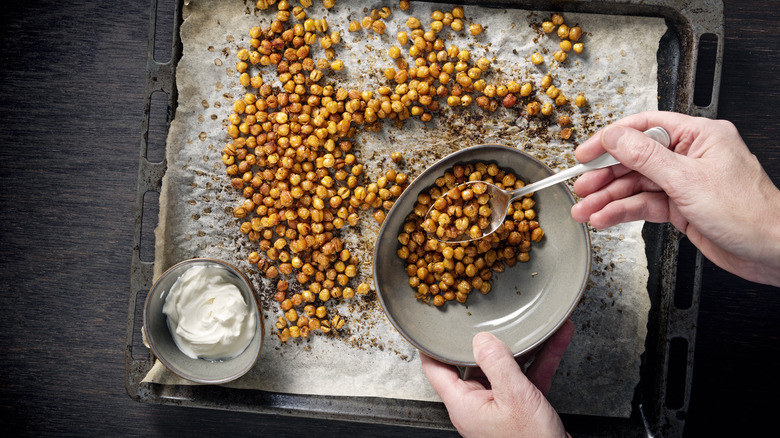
678 57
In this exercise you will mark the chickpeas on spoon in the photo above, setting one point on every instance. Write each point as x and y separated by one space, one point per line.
497 204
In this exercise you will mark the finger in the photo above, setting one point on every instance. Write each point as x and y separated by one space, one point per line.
671 121
542 369
594 180
649 206
445 380
641 153
593 147
494 357
590 148
620 188
680 127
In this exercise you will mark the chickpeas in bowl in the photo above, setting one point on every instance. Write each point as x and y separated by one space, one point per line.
526 303
440 271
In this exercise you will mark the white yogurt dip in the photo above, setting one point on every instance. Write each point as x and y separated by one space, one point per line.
207 315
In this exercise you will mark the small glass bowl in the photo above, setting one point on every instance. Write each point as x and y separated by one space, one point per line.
168 353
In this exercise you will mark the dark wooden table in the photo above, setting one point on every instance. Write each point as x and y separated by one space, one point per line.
71 100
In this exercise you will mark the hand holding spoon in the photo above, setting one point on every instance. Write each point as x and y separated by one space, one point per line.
500 199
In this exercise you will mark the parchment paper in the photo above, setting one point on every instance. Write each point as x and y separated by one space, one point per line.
617 73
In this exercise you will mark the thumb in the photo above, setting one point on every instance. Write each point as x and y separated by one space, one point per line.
641 153
497 363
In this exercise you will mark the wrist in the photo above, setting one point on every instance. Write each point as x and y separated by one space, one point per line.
768 238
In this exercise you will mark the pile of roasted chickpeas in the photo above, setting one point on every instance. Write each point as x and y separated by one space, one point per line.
441 271
291 152
461 213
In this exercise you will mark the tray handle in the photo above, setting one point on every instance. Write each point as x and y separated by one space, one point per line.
160 78
707 62
707 27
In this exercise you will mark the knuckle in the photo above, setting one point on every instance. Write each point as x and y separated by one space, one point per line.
727 126
643 152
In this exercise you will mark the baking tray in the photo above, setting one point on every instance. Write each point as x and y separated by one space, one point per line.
689 60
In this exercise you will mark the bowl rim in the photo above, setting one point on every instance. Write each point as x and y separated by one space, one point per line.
259 330
453 156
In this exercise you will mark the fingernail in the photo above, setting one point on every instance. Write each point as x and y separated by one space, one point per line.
611 136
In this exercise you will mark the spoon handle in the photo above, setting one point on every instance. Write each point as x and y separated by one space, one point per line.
605 160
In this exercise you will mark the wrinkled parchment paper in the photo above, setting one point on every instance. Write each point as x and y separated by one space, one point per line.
617 73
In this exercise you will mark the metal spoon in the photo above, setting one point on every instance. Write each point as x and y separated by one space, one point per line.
500 199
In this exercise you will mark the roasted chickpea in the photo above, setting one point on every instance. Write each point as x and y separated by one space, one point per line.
394 52
378 27
559 56
563 31
546 82
457 12
526 89
575 33
546 109
509 100
533 108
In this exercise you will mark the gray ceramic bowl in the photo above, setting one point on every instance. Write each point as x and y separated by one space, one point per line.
163 346
528 302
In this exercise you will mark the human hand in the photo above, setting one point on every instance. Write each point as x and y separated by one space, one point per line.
709 186
501 400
